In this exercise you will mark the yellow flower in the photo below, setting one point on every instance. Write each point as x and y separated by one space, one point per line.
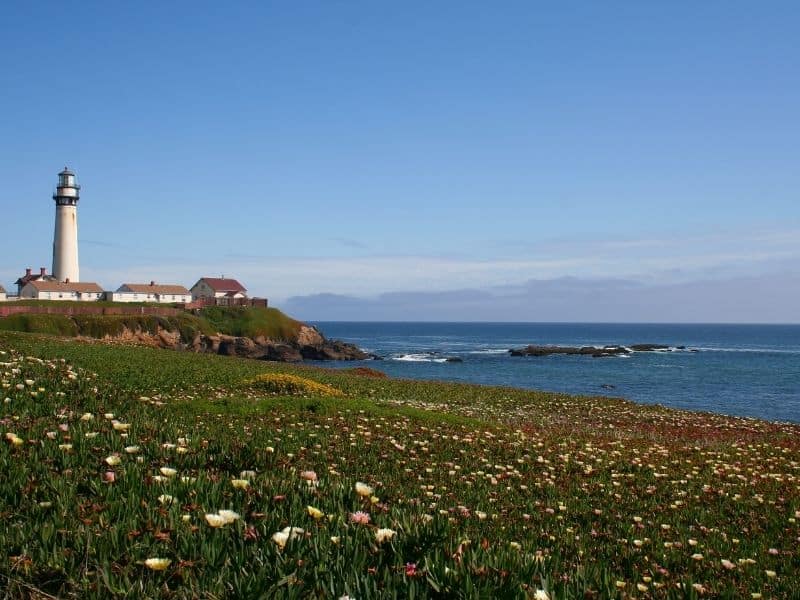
120 426
87 417
697 556
770 574
315 512
157 564
363 490
240 484
113 460
168 471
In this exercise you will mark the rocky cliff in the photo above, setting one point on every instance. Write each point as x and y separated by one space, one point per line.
309 344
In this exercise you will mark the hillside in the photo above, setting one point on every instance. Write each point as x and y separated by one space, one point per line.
203 476
251 332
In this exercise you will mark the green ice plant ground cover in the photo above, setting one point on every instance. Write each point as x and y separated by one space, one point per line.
131 472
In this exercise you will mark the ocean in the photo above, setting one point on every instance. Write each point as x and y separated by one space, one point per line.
743 370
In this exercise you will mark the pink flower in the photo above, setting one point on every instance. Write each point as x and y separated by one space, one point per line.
411 569
359 517
308 475
109 476
64 427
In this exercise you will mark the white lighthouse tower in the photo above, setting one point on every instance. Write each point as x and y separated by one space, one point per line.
65 239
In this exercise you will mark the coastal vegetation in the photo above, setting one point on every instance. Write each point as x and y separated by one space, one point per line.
138 472
251 322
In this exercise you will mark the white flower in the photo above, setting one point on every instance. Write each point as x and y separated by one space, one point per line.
165 499
541 595
87 417
215 520
288 533
168 471
229 516
132 449
113 460
384 534
363 490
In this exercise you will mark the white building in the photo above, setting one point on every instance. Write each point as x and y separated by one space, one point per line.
61 290
218 287
151 292
65 237
3 296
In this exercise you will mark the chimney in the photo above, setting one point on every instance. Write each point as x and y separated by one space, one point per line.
66 280
42 271
28 272
152 283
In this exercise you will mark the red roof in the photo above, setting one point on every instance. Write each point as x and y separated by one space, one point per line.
218 284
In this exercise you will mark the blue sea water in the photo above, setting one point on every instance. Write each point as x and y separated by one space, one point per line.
745 370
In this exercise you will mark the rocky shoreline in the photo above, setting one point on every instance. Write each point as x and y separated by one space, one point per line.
310 344
595 351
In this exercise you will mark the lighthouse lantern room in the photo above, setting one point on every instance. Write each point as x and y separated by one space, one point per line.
65 238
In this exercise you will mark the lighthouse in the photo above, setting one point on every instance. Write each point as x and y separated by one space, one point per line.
65 239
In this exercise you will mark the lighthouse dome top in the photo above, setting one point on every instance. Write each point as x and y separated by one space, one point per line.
66 171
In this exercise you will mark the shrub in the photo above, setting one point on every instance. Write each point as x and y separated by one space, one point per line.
284 384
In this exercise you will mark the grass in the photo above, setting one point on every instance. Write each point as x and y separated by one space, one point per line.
475 491
99 326
252 322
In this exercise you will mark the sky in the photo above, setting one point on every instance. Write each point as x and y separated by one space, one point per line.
511 161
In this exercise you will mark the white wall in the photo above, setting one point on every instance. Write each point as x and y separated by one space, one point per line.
65 244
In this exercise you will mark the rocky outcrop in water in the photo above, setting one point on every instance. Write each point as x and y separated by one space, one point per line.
593 351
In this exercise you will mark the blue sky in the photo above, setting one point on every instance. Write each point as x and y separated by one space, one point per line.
361 148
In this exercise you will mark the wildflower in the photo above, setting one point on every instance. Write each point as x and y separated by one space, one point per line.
132 449
247 474
335 539
384 534
240 484
15 440
64 447
270 449
113 460
360 517
168 471
120 426
541 595
215 520
87 417
288 533
727 564
315 513
363 490
697 556
90 435
770 574
411 569
109 416
641 587
109 477
165 499
45 504
229 516
308 475
157 564
186 518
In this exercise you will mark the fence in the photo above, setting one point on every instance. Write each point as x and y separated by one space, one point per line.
162 311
